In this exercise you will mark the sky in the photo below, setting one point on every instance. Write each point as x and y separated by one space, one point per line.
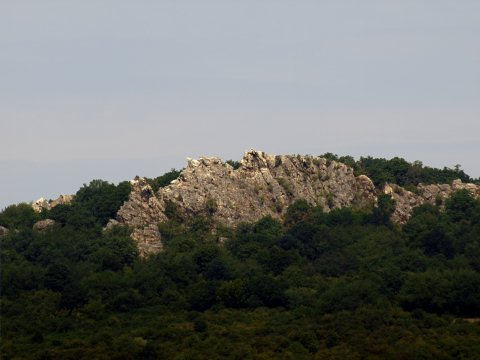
111 89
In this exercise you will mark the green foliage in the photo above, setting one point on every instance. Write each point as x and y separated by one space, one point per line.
234 293
348 160
447 233
297 212
461 205
286 185
211 205
384 209
235 164
172 211
94 204
343 284
399 171
163 180
19 216
454 291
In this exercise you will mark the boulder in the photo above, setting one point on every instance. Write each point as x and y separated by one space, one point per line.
44 225
3 231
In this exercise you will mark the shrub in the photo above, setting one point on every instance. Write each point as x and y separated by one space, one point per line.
163 180
235 164
286 185
211 205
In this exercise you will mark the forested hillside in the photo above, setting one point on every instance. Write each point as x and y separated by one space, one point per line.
347 284
399 171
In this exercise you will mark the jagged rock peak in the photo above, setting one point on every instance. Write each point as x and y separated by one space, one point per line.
263 185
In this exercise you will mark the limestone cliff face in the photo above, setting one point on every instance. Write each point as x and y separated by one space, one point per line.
142 212
263 185
406 200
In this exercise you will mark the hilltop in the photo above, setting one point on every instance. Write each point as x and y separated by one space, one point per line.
271 257
230 193
264 185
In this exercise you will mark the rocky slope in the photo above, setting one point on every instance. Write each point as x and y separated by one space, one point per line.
263 185
406 200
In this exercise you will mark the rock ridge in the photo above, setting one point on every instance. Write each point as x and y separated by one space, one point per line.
263 185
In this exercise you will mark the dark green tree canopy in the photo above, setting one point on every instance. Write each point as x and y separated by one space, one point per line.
399 171
341 284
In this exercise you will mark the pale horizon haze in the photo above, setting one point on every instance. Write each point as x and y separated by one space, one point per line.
112 89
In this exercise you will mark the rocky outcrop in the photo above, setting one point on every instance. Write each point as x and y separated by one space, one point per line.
263 185
142 212
435 194
42 203
3 231
44 225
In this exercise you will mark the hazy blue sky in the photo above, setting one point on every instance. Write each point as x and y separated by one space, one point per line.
111 89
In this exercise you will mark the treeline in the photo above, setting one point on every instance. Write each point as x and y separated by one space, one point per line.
92 206
401 172
346 284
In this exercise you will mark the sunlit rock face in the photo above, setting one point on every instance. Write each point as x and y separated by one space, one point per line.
42 203
263 185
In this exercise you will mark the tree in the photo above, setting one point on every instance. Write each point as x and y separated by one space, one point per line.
297 211
461 205
234 293
383 211
163 180
430 230
18 216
